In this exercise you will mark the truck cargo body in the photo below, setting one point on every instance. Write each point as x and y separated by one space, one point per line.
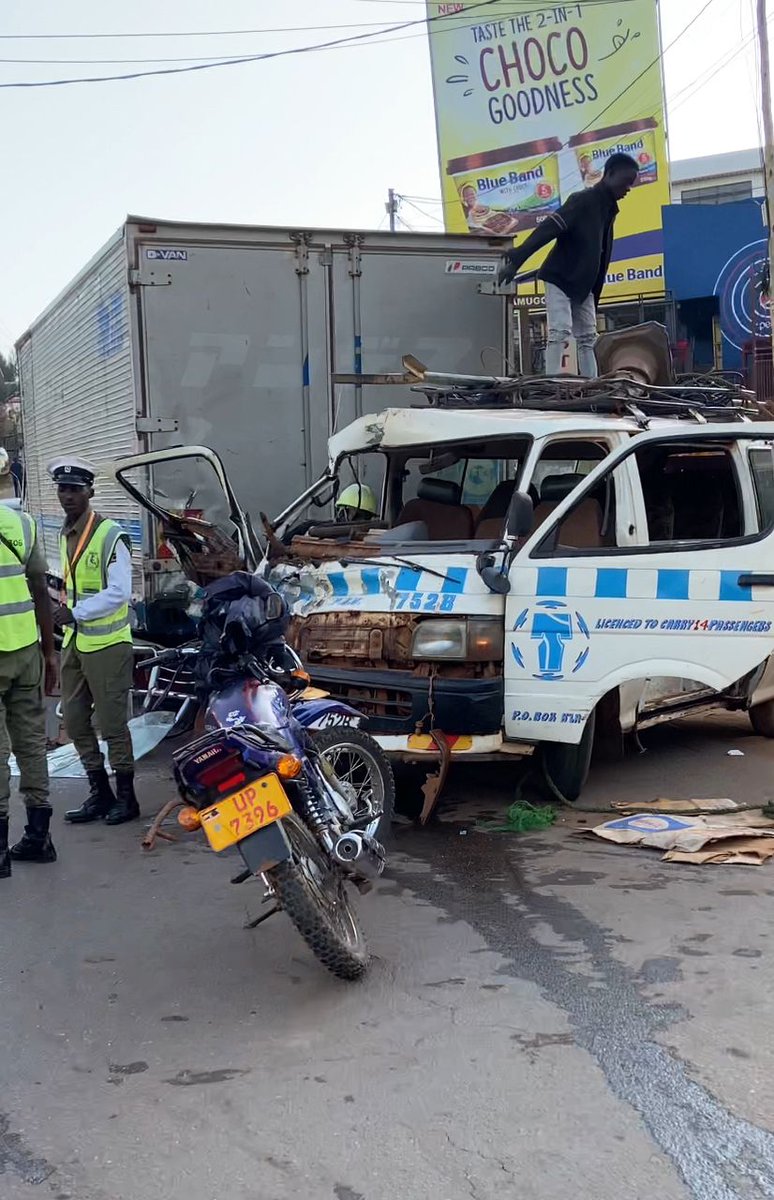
231 337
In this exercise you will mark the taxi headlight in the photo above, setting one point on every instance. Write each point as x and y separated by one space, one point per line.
478 640
440 639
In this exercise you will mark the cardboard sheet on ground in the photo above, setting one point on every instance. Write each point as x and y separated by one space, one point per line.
147 730
730 839
663 805
741 851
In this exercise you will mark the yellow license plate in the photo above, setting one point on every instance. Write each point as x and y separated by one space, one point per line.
236 816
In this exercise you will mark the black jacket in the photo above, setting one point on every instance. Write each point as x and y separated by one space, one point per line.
583 228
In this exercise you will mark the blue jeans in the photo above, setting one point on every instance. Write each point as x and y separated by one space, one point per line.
566 319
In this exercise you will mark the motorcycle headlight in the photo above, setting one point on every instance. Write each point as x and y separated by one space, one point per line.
476 640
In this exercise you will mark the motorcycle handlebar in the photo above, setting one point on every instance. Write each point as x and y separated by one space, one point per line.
167 656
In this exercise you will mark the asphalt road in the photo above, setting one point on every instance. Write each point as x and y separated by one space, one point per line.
546 1017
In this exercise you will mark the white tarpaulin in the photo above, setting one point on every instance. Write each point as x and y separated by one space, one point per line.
147 730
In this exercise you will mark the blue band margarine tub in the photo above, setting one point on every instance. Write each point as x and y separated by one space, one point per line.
637 138
505 191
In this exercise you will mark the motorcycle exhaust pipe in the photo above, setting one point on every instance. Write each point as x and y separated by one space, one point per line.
363 855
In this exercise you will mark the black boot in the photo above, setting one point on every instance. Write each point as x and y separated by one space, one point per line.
5 858
126 807
97 804
35 844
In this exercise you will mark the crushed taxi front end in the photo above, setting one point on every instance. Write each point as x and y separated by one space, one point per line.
417 651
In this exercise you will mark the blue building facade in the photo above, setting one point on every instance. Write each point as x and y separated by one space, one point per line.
715 265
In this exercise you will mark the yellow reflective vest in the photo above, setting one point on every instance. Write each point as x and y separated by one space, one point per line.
88 578
18 627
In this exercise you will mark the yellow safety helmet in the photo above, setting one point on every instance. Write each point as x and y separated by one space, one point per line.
359 497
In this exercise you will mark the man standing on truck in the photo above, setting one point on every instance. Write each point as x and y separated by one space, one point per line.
97 656
25 663
575 270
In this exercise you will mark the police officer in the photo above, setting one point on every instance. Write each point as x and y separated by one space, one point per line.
25 609
97 656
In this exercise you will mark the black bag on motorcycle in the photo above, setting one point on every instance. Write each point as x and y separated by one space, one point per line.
242 614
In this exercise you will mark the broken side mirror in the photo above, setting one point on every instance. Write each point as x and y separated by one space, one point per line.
518 524
493 576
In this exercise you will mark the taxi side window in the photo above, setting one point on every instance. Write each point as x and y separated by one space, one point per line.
762 472
691 495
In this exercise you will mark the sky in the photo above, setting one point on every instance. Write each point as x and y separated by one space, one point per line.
313 139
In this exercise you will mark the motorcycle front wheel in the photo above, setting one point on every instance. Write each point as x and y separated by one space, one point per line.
312 892
364 770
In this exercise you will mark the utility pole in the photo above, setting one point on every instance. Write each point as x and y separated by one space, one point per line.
391 208
768 133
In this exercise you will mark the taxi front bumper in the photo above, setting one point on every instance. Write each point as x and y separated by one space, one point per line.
396 703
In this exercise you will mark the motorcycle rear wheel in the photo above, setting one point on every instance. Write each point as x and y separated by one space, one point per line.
312 893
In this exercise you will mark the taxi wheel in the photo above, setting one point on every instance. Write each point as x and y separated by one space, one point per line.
565 767
762 719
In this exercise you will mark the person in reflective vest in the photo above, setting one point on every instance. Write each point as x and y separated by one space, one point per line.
97 657
26 662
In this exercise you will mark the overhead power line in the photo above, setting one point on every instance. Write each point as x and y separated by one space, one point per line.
451 22
354 39
247 58
181 33
416 207
369 38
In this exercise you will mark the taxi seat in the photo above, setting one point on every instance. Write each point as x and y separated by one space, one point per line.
438 505
582 527
492 516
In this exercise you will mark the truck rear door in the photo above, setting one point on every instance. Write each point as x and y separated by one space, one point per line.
235 357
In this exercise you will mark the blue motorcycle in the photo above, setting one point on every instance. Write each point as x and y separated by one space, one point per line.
304 795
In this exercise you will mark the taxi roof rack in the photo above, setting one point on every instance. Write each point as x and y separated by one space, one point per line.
636 379
713 400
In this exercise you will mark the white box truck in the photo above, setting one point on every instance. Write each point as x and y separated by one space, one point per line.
232 337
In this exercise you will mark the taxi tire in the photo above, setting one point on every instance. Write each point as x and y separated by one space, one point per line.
762 719
566 767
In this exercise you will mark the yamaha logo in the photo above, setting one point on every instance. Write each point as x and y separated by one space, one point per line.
213 753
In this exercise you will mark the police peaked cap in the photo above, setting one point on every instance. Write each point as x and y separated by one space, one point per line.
75 471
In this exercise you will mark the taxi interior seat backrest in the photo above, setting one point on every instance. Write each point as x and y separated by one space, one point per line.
491 519
582 527
438 505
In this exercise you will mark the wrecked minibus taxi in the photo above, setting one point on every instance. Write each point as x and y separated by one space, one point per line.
541 573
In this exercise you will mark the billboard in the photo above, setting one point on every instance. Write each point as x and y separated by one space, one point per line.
531 100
